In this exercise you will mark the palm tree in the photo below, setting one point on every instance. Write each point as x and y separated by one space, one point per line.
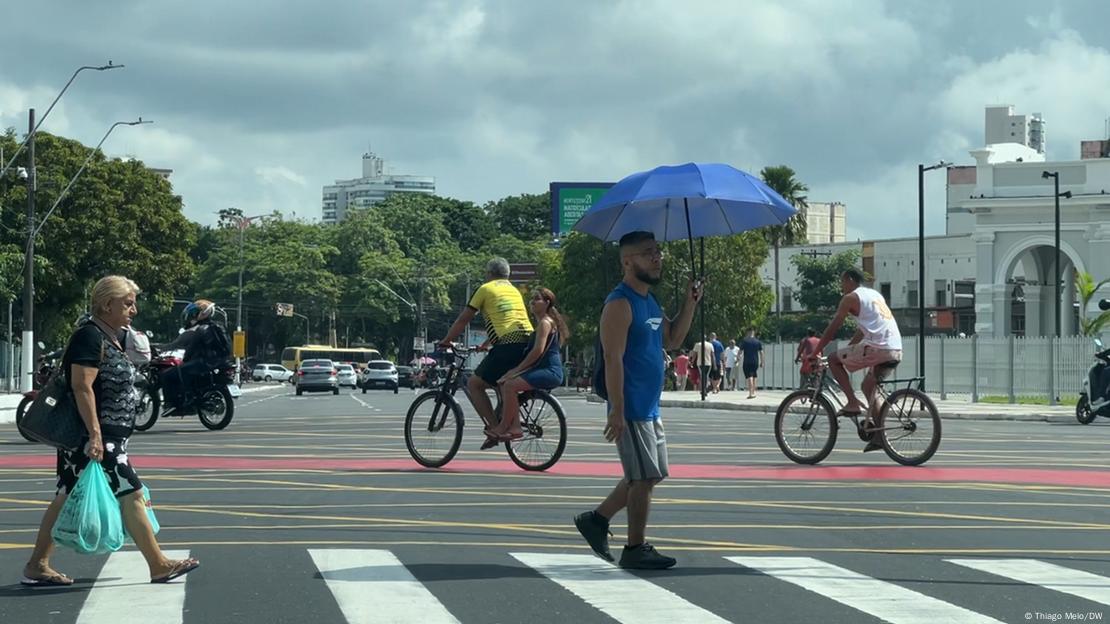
782 180
1086 287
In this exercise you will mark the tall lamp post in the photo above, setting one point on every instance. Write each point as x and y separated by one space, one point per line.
33 230
1056 278
242 223
921 169
35 126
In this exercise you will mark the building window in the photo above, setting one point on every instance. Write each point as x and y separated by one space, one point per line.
941 288
964 295
911 294
787 299
884 289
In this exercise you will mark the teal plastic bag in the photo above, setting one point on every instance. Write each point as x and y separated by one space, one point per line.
90 521
149 514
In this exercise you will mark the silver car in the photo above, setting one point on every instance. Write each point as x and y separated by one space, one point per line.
317 376
347 375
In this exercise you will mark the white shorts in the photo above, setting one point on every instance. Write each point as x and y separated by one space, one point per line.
860 356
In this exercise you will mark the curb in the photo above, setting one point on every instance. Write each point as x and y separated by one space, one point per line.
770 411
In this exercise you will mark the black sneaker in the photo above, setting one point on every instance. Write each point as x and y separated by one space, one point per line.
872 446
596 532
645 557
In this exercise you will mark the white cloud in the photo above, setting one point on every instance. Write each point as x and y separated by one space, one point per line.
1064 78
277 176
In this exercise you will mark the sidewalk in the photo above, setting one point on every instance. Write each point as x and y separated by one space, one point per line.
767 402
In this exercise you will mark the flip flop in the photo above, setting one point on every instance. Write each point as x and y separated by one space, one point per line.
50 580
181 568
848 413
507 437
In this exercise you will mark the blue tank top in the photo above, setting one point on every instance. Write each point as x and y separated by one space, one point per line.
643 354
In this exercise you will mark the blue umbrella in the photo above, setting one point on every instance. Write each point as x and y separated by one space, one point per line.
693 200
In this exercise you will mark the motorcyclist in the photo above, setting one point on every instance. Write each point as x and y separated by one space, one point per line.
197 340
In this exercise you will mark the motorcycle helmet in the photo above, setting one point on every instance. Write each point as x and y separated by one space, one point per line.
197 312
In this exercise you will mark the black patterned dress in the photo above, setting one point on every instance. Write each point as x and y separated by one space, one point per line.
116 404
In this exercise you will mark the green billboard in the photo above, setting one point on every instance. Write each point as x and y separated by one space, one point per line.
571 200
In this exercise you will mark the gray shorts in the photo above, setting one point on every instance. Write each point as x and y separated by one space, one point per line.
643 450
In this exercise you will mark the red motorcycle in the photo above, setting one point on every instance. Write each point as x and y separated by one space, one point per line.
211 397
48 363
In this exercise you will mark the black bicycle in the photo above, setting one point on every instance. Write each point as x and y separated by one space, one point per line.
907 426
434 422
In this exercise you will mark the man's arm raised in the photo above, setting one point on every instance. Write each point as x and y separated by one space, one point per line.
674 331
842 312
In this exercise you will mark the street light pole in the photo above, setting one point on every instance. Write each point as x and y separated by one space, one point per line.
33 230
35 127
28 351
242 222
921 169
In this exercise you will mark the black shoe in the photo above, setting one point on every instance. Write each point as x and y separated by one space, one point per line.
645 557
489 443
872 446
595 530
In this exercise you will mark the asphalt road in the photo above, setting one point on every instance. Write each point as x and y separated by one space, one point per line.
308 509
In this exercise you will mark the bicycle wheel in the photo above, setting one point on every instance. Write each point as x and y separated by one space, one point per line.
909 427
545 432
433 429
805 429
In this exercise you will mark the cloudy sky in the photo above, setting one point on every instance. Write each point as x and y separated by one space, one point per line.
259 103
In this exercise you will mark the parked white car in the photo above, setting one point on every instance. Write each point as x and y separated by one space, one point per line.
271 372
347 375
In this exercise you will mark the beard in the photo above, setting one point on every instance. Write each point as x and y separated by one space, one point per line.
647 278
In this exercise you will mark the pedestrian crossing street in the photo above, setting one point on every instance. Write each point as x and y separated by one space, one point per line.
375 586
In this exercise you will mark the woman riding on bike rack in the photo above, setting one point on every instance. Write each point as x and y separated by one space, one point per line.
541 368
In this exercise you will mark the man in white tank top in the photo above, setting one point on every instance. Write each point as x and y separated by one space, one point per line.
877 342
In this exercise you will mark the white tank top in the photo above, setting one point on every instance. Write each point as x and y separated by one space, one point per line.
876 322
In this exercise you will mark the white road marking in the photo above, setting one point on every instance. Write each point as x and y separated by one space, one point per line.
1079 583
124 583
360 401
616 592
373 586
880 599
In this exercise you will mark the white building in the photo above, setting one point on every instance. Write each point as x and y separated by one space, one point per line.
374 186
1003 126
825 222
993 274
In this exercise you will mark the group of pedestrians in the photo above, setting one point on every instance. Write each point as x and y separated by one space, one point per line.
719 365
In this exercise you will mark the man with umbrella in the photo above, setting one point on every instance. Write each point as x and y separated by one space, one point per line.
634 333
679 202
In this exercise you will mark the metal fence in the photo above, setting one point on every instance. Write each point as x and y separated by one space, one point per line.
10 370
975 367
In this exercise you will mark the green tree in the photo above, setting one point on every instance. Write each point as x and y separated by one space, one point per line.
119 217
527 216
782 180
1086 287
819 279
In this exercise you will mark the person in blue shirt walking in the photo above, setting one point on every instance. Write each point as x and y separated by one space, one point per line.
634 332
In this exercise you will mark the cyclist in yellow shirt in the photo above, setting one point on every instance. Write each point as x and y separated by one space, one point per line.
509 329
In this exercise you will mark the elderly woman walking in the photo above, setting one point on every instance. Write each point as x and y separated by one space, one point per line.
102 378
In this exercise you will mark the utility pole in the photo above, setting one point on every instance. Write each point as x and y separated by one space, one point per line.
29 265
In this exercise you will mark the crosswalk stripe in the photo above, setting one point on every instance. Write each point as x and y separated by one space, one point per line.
126 593
1075 582
615 592
374 586
880 599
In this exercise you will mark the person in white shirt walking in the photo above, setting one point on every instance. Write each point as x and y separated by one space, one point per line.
877 342
732 353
